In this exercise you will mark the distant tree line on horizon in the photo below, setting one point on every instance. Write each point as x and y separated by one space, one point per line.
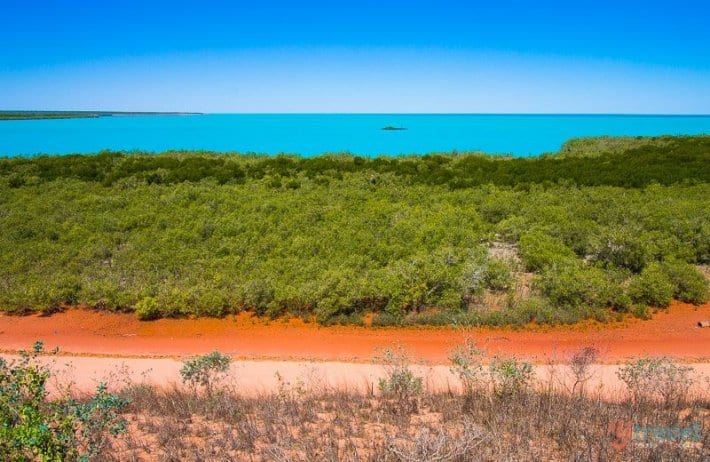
603 228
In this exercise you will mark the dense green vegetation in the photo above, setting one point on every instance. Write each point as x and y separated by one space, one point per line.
438 239
663 160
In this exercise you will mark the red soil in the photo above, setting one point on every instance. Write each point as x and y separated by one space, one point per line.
671 332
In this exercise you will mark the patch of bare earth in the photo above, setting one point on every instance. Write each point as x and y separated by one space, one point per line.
672 332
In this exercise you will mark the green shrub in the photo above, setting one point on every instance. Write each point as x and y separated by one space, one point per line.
147 309
574 285
652 287
400 386
510 376
205 370
621 247
656 378
641 311
257 294
467 365
35 427
538 310
497 275
690 285
539 251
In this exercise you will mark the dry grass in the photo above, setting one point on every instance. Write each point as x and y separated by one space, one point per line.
316 423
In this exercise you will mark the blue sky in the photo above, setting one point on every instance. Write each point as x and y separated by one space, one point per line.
366 56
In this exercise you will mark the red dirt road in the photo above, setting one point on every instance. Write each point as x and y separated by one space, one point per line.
77 332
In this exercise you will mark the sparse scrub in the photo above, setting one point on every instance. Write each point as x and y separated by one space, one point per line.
438 446
649 379
467 365
298 422
341 424
400 387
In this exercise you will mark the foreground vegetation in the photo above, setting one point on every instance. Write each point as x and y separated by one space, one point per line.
497 410
606 227
35 427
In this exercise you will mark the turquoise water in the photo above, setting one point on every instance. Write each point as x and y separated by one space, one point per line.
310 134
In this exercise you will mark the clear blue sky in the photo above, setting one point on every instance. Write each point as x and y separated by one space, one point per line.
366 56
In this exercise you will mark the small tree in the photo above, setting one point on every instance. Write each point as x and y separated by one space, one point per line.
205 370
581 365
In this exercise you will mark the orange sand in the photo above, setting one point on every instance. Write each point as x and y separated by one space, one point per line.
78 332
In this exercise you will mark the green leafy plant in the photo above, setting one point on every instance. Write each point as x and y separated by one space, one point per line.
690 285
35 427
652 287
510 376
539 251
497 275
147 309
206 370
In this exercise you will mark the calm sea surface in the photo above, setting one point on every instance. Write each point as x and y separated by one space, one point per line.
310 134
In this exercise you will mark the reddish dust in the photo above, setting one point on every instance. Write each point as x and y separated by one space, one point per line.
673 332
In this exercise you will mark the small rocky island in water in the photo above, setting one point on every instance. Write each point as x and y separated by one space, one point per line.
393 128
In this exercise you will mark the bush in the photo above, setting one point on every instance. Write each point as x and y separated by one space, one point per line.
510 376
652 287
539 251
690 285
647 379
641 311
573 285
400 386
620 247
539 310
497 275
33 427
147 309
467 365
205 370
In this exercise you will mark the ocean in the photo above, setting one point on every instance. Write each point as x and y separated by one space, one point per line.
313 134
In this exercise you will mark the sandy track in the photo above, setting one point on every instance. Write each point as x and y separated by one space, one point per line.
250 378
114 347
672 332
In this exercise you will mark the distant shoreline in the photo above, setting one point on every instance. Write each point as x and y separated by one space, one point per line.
44 115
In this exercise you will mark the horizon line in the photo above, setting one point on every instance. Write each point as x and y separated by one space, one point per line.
153 112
